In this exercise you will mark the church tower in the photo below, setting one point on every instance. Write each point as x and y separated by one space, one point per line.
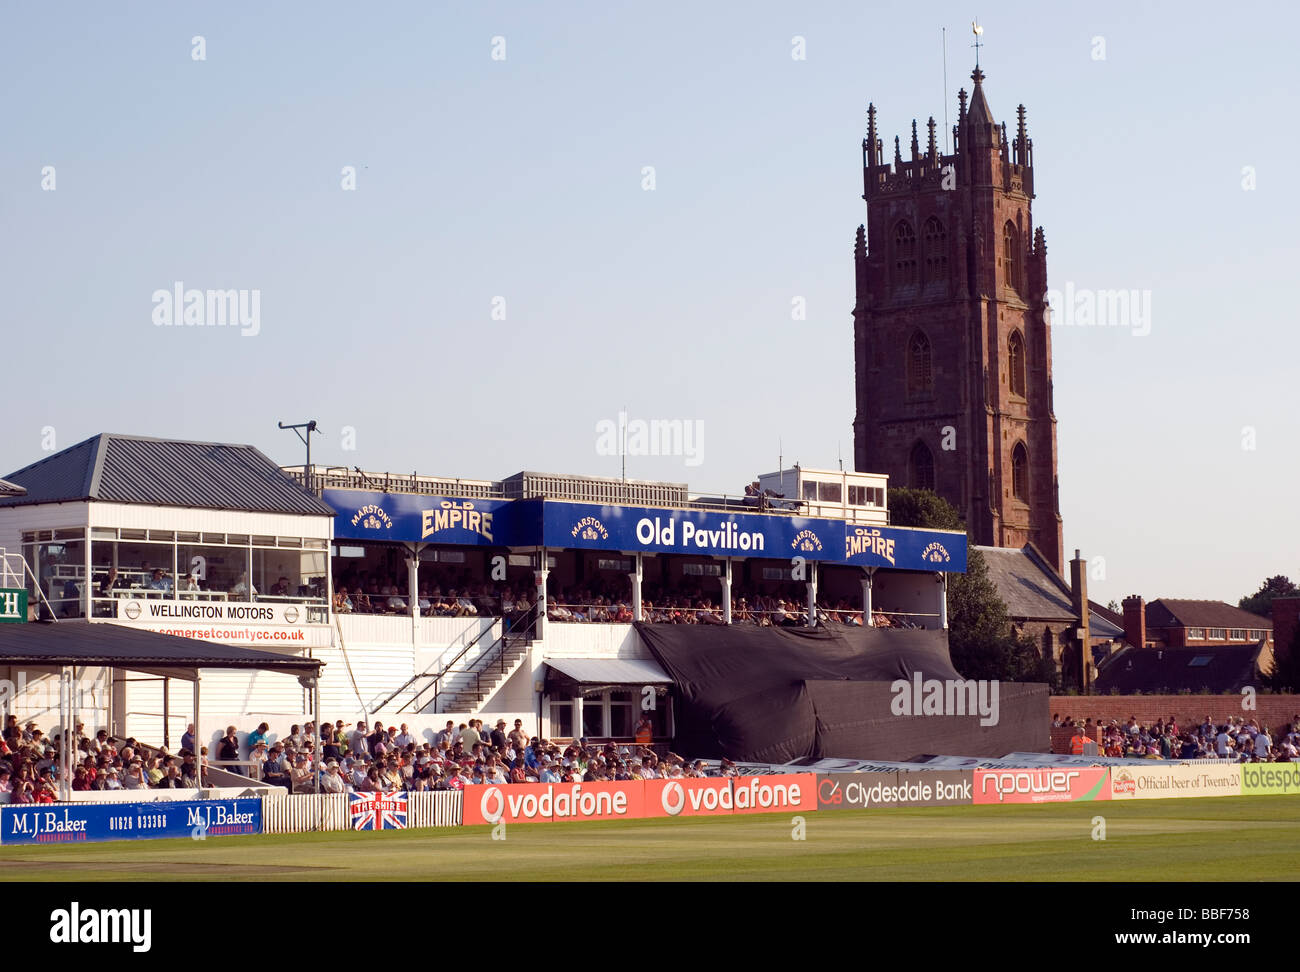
952 350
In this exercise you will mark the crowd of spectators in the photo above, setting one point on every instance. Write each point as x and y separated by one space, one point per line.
443 594
455 594
1237 739
366 757
30 764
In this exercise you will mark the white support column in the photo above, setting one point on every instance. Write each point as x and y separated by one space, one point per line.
942 584
413 585
637 575
198 735
539 578
577 717
812 594
65 747
868 618
725 579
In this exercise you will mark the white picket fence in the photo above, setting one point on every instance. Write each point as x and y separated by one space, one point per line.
302 813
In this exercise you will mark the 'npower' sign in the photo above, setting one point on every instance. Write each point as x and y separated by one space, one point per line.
532 803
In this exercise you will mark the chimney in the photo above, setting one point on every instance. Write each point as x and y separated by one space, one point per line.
1135 621
1286 621
1079 605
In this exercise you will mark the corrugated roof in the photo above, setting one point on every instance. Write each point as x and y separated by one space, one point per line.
164 472
611 671
1224 668
1170 612
104 643
10 489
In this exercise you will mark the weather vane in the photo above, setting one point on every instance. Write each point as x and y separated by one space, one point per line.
977 30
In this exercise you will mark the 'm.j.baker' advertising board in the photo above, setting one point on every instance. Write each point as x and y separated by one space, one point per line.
78 822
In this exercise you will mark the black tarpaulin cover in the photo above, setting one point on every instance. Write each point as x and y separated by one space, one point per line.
778 694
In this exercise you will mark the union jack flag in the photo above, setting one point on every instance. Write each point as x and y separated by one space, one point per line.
377 811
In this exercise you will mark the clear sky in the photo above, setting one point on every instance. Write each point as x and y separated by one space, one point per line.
523 177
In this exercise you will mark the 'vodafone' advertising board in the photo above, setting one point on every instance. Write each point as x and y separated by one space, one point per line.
1041 785
533 803
536 803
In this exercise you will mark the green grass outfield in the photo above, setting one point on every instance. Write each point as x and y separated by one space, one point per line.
1235 838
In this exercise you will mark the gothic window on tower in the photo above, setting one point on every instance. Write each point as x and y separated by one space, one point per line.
1010 256
920 376
936 251
1020 472
922 463
904 255
1016 363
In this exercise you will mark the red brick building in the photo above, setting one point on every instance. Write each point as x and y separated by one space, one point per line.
953 356
1179 623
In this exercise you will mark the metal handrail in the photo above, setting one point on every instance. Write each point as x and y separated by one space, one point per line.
439 676
415 678
501 655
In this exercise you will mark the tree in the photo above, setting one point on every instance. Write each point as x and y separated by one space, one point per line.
922 508
980 638
1261 602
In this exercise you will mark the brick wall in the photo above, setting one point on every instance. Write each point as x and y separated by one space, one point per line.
1061 738
1286 618
1271 710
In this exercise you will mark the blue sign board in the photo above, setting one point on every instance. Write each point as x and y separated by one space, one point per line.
411 518
904 548
70 823
714 533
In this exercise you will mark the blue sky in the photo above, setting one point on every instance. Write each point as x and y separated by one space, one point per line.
521 178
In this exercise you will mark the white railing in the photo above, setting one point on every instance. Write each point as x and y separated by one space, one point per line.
309 812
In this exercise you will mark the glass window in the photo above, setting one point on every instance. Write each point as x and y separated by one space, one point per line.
920 376
829 492
621 704
217 572
593 718
562 719
1016 363
809 490
922 467
1020 472
288 575
60 569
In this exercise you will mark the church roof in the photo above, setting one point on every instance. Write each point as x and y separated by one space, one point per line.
979 107
1033 591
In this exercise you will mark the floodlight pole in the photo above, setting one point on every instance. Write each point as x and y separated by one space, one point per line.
308 479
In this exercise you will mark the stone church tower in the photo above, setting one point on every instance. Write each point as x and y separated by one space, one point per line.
953 355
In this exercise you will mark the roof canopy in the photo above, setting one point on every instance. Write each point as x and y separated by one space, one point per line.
53 644
163 472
